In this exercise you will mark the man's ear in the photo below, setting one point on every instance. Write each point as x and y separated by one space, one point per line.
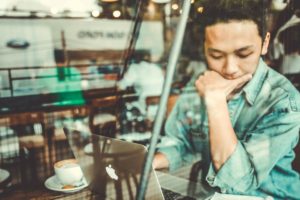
265 45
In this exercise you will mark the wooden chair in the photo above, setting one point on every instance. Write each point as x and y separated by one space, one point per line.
29 130
154 101
99 120
108 129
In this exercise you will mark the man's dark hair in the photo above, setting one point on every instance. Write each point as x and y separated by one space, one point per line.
218 11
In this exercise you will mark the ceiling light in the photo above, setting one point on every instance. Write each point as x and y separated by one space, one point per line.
95 13
175 6
116 13
200 9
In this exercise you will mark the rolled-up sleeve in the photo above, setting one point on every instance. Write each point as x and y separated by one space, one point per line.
237 170
253 159
174 156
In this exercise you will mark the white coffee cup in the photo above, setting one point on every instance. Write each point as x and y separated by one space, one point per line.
68 172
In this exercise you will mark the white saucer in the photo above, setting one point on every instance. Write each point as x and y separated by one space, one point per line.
5 180
52 183
4 175
135 136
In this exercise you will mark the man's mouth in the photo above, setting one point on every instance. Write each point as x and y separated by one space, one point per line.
230 77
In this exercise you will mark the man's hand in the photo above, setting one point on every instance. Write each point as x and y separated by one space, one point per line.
160 161
212 85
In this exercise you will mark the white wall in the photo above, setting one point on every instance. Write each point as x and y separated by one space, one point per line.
44 35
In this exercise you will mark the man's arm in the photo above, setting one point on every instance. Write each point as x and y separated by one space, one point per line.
253 158
222 137
175 147
215 91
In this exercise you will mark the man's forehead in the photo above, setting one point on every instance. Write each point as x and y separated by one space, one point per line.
241 33
237 26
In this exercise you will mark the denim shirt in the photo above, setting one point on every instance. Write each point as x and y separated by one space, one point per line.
266 119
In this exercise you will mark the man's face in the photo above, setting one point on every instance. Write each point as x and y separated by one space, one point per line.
233 49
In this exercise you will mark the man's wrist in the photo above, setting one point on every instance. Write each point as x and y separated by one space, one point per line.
214 99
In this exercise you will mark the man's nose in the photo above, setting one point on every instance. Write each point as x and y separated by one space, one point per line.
231 67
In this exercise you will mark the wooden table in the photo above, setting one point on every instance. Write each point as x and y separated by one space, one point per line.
42 193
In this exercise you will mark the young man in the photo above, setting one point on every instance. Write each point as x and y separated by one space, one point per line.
244 117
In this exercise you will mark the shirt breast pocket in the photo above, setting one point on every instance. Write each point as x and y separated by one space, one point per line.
199 138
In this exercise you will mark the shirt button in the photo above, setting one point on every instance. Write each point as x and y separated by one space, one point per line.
202 136
210 178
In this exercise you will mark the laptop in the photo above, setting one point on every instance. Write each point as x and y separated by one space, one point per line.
112 167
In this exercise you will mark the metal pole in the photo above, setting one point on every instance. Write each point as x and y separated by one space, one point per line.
175 51
64 46
134 36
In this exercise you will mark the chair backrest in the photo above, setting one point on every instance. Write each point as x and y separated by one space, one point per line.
108 129
154 100
21 133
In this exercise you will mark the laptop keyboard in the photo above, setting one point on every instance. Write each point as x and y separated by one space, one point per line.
170 195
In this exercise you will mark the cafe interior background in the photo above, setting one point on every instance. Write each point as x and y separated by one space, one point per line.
87 63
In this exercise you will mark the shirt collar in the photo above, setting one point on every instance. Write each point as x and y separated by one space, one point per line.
254 86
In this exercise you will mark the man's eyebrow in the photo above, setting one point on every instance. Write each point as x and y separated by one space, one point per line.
213 50
249 47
